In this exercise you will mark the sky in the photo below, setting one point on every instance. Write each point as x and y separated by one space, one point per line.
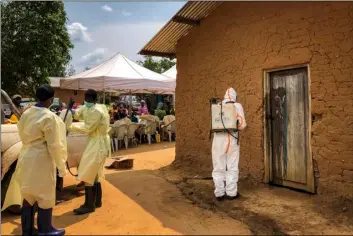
99 30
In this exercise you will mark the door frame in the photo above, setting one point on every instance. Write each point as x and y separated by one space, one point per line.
268 177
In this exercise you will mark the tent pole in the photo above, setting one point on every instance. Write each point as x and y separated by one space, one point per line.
130 104
104 91
173 100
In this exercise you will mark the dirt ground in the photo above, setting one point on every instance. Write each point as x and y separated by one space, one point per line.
136 202
269 210
150 200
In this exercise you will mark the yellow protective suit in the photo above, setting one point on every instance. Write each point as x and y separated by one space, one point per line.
43 135
96 126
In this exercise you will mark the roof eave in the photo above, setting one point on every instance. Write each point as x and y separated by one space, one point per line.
191 14
157 54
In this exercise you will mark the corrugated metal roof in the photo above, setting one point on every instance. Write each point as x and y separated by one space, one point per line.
189 16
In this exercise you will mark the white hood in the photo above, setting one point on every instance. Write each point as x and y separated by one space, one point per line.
230 95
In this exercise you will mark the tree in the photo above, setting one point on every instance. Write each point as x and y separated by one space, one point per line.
71 71
166 64
156 66
35 44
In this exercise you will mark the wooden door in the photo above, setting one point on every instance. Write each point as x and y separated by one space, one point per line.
289 114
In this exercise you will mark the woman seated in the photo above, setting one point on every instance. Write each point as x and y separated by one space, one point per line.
122 110
134 118
112 112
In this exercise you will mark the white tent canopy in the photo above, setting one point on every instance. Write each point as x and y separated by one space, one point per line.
171 73
55 81
120 74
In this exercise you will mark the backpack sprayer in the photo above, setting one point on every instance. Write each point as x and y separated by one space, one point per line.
224 118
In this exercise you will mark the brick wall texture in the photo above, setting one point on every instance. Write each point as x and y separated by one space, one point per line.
234 45
66 94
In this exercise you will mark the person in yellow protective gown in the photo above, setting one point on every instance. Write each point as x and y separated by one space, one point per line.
90 170
43 135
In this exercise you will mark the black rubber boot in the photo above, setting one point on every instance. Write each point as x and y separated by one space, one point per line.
27 220
89 205
98 190
81 184
44 223
221 198
233 197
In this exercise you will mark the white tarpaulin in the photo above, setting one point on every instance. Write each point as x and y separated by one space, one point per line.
122 75
55 81
171 73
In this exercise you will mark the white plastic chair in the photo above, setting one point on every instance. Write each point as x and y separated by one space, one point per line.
171 129
131 133
112 134
151 130
120 134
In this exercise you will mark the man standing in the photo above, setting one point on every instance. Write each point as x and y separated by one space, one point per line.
90 170
43 135
225 154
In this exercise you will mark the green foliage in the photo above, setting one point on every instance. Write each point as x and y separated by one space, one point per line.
166 64
156 66
71 71
160 113
35 44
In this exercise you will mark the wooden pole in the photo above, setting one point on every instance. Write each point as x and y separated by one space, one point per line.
130 104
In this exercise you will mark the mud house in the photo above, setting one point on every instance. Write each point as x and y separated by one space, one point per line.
292 66
66 94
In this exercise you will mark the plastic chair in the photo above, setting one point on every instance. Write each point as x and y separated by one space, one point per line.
151 130
120 135
112 134
170 128
131 133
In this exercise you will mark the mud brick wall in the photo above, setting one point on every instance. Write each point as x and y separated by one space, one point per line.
66 94
233 46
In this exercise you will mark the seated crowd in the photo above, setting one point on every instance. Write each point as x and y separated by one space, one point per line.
150 123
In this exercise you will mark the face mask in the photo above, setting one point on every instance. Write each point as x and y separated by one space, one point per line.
88 104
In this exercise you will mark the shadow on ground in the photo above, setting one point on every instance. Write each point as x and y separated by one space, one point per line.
150 192
271 210
139 150
165 202
62 221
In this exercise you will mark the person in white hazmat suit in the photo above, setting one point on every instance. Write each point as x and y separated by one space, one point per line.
43 135
90 170
225 154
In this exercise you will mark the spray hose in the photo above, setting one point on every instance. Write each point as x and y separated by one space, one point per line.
69 108
213 101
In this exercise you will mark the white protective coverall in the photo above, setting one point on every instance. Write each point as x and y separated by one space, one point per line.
43 135
225 154
96 126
